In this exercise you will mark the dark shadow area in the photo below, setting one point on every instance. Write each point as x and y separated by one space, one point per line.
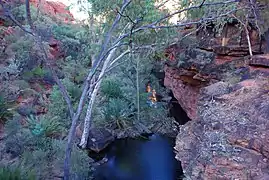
176 111
160 76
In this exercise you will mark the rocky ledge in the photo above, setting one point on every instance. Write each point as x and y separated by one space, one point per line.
227 98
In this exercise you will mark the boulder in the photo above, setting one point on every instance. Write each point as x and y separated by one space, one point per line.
99 139
217 89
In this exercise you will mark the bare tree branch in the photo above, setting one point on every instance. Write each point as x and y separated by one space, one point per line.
92 96
113 27
123 15
202 3
118 58
9 15
189 8
154 25
203 20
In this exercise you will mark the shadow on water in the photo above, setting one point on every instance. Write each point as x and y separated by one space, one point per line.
150 158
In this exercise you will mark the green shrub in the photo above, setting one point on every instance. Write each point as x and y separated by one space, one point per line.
111 89
16 174
5 110
47 161
8 174
57 106
117 111
49 127
35 73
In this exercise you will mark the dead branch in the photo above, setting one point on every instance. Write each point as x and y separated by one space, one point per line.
203 20
9 15
245 25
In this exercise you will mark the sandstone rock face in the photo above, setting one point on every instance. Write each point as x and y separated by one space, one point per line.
54 9
226 94
186 95
260 61
230 139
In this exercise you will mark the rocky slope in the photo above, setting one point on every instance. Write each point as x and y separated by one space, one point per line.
27 95
55 9
226 94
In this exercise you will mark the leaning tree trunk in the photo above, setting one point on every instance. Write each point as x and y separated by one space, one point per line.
87 121
92 96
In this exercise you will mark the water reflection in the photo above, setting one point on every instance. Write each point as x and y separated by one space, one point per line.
141 159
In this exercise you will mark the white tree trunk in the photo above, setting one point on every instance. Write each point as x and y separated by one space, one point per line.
87 121
137 89
92 96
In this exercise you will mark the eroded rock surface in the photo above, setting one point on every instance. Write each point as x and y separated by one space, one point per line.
226 94
54 9
230 139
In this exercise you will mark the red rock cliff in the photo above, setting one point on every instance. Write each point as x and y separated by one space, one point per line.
226 94
54 9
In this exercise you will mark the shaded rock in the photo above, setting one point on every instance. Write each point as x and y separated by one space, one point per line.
99 139
186 95
232 41
195 57
230 139
217 89
260 61
55 50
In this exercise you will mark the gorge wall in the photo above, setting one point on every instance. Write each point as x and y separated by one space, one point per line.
226 94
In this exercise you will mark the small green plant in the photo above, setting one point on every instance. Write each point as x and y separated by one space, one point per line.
37 72
118 111
5 110
111 89
16 174
49 127
8 174
52 127
35 126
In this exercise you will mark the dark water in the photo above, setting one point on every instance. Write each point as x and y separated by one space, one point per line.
141 159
